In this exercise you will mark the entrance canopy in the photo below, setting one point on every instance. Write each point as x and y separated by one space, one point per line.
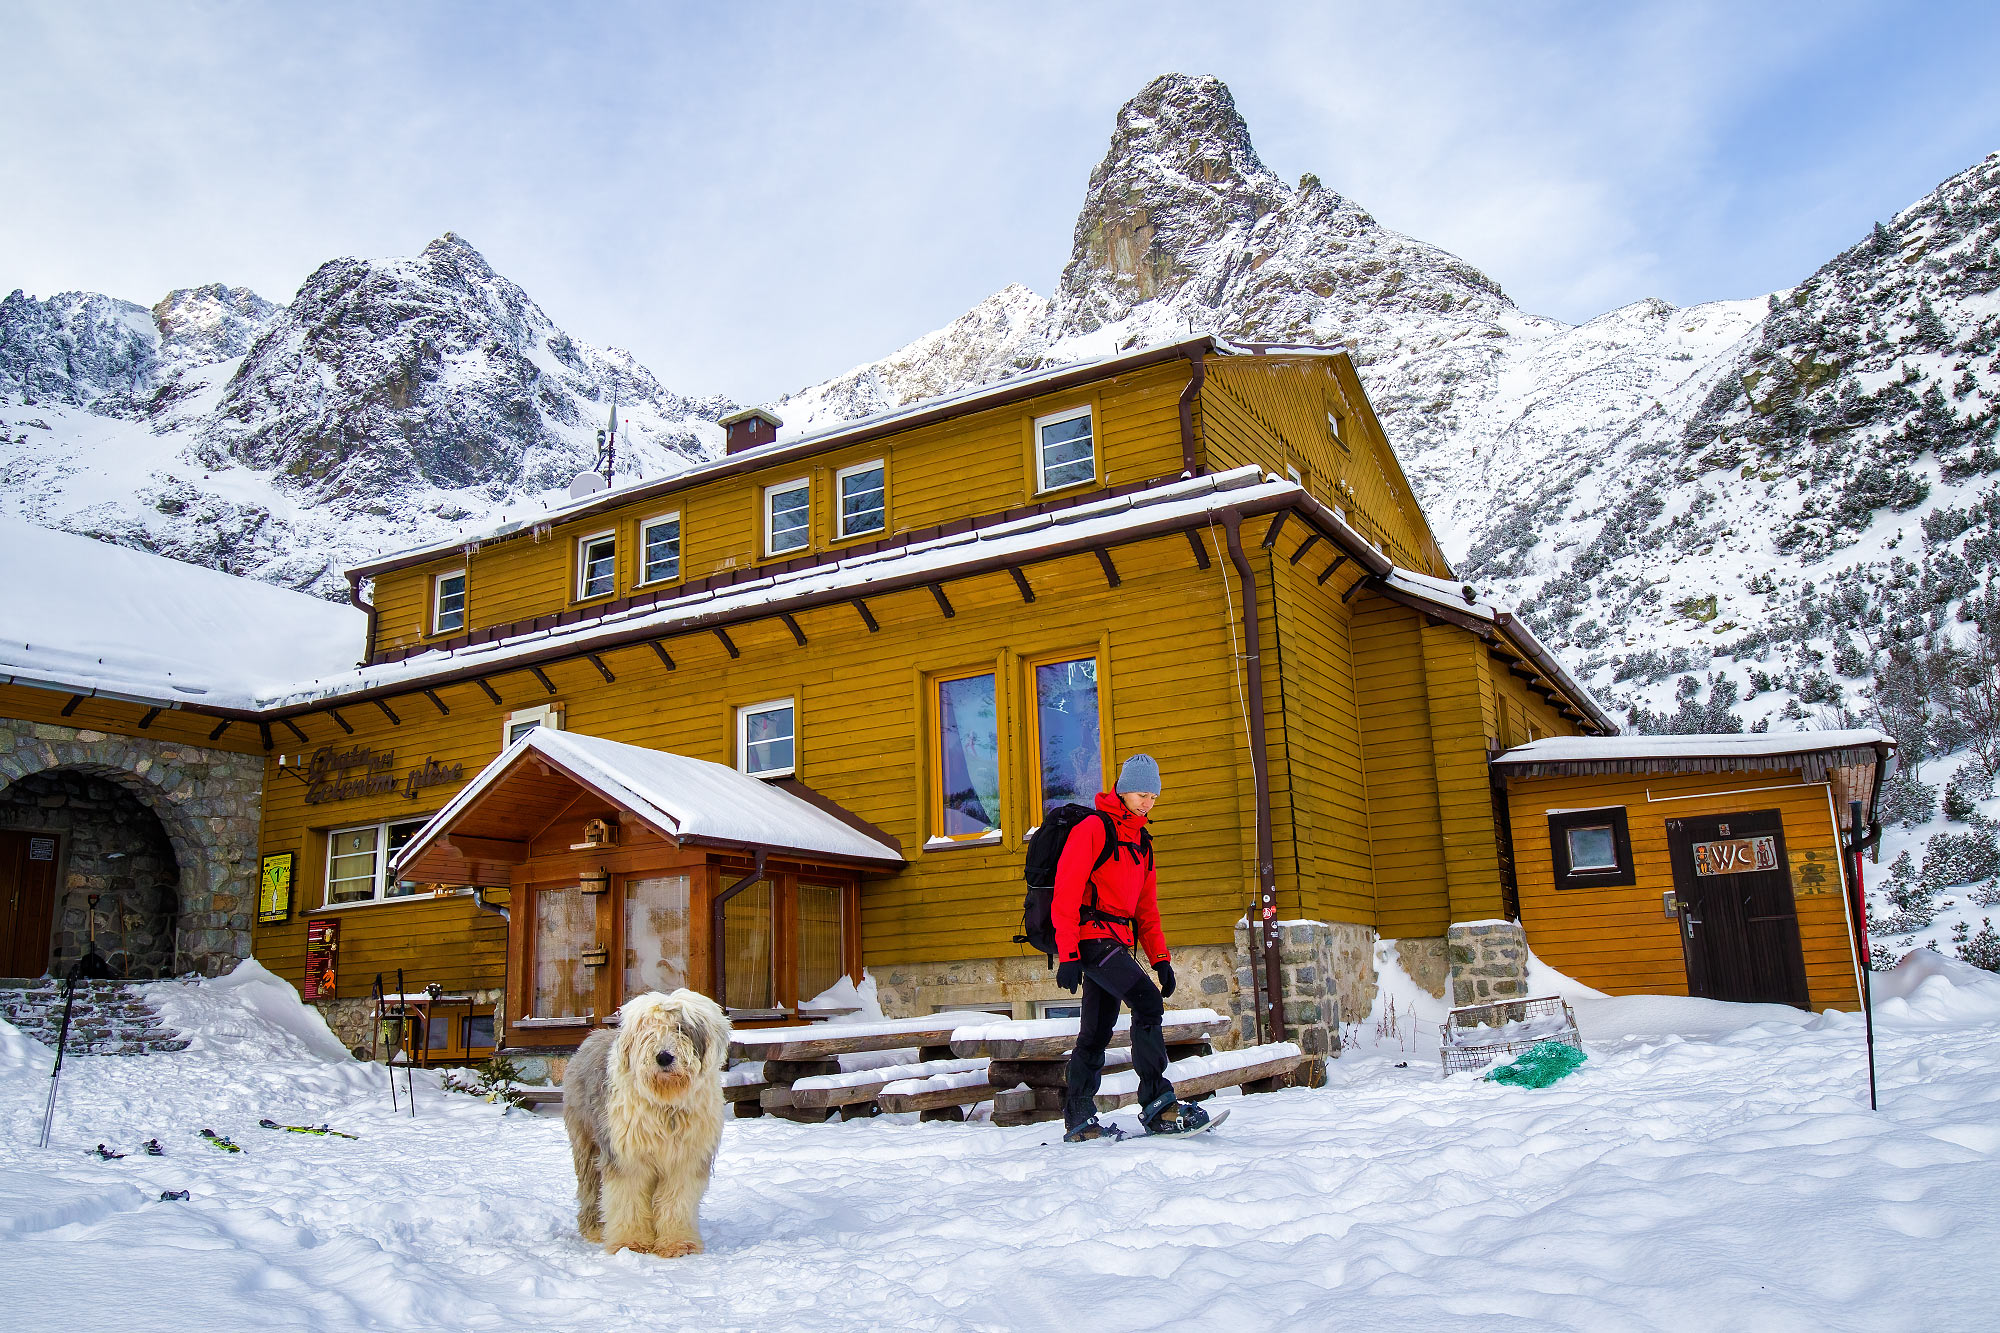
496 819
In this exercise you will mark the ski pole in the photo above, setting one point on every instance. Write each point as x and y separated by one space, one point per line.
381 1015
62 1042
409 1050
1867 958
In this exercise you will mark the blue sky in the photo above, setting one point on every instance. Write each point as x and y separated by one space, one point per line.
753 197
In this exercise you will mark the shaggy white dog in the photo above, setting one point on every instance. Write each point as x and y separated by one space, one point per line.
643 1106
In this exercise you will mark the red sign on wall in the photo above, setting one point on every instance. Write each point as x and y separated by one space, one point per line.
322 948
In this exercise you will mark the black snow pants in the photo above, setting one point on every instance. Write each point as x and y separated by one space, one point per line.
1111 975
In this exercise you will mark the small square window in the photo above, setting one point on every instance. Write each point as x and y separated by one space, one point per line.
660 549
766 739
524 720
863 499
788 516
1591 848
448 603
1065 451
1335 424
596 566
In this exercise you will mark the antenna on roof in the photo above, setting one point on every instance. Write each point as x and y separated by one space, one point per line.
607 443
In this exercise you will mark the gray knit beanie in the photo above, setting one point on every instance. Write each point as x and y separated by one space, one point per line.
1139 774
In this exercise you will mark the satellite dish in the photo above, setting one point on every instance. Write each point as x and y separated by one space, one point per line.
585 483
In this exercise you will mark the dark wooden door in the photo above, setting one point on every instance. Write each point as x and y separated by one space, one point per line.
27 902
1739 925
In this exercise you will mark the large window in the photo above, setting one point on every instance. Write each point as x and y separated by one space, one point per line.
766 739
788 516
565 924
596 566
821 949
660 549
966 781
748 949
1065 453
863 498
357 862
656 934
1068 749
448 603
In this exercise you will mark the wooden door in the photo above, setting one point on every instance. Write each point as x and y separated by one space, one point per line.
1739 924
27 902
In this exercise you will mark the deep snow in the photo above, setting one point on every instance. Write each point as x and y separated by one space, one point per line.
1710 1166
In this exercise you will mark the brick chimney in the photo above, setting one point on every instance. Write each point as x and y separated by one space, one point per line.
748 429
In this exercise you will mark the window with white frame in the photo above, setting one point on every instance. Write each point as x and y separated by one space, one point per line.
524 720
660 549
766 739
1337 426
788 516
596 566
863 497
1065 453
448 602
357 862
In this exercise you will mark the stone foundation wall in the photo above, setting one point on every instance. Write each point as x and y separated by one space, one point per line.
1489 961
207 802
1328 971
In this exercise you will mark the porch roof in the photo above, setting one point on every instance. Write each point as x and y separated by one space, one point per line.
688 801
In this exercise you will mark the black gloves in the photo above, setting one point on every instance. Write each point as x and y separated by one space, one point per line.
1069 975
1166 975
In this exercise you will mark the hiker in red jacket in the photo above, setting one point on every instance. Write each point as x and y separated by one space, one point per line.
1099 917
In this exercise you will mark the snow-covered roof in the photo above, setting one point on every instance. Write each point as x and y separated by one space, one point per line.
678 797
1759 745
96 619
811 441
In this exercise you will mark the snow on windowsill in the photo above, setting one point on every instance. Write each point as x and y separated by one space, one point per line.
389 902
990 838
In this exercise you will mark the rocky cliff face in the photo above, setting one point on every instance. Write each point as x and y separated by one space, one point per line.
74 347
199 326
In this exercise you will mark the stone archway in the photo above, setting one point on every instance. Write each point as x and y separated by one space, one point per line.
208 803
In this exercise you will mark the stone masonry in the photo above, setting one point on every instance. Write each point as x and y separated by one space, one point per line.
1489 961
1328 972
208 803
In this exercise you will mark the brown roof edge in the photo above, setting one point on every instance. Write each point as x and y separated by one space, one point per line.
828 806
1002 395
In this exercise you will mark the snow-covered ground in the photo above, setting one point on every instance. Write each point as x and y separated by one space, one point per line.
1710 1166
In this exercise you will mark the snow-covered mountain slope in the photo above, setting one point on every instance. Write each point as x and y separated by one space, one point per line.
388 403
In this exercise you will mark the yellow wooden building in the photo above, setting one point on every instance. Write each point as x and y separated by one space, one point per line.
920 628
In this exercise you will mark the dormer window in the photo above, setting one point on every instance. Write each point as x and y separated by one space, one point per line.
448 603
1065 451
863 498
788 516
596 566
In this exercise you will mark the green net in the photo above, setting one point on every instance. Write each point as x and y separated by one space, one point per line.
1539 1065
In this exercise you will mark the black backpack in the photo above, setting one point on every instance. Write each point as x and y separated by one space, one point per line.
1038 926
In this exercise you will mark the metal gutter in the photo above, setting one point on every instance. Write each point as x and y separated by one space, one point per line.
1190 464
1260 776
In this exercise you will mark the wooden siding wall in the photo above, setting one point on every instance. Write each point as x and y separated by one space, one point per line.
1619 939
971 466
1163 637
1406 831
1463 722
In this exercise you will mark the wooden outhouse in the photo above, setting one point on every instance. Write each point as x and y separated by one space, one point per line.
1714 865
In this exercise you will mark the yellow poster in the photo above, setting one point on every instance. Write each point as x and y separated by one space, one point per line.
274 892
1813 871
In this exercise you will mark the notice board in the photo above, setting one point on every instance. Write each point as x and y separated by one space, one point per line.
322 950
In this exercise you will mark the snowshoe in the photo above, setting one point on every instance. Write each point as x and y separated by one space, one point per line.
153 1148
216 1140
106 1153
170 1196
1165 1115
1092 1130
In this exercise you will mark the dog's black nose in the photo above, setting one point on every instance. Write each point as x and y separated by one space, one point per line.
666 1059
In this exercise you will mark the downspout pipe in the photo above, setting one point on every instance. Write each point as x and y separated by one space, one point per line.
354 597
1260 776
1190 465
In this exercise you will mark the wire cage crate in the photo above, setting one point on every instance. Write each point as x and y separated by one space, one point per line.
1477 1035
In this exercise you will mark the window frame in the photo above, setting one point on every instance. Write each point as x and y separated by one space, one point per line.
548 715
771 552
840 532
1087 410
744 713
437 599
1614 817
582 549
380 875
646 525
934 684
1031 700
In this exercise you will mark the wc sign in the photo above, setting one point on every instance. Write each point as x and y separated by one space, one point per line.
1736 856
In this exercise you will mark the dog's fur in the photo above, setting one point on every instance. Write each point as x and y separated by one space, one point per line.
644 1134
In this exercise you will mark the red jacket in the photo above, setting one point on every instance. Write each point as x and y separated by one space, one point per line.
1125 885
